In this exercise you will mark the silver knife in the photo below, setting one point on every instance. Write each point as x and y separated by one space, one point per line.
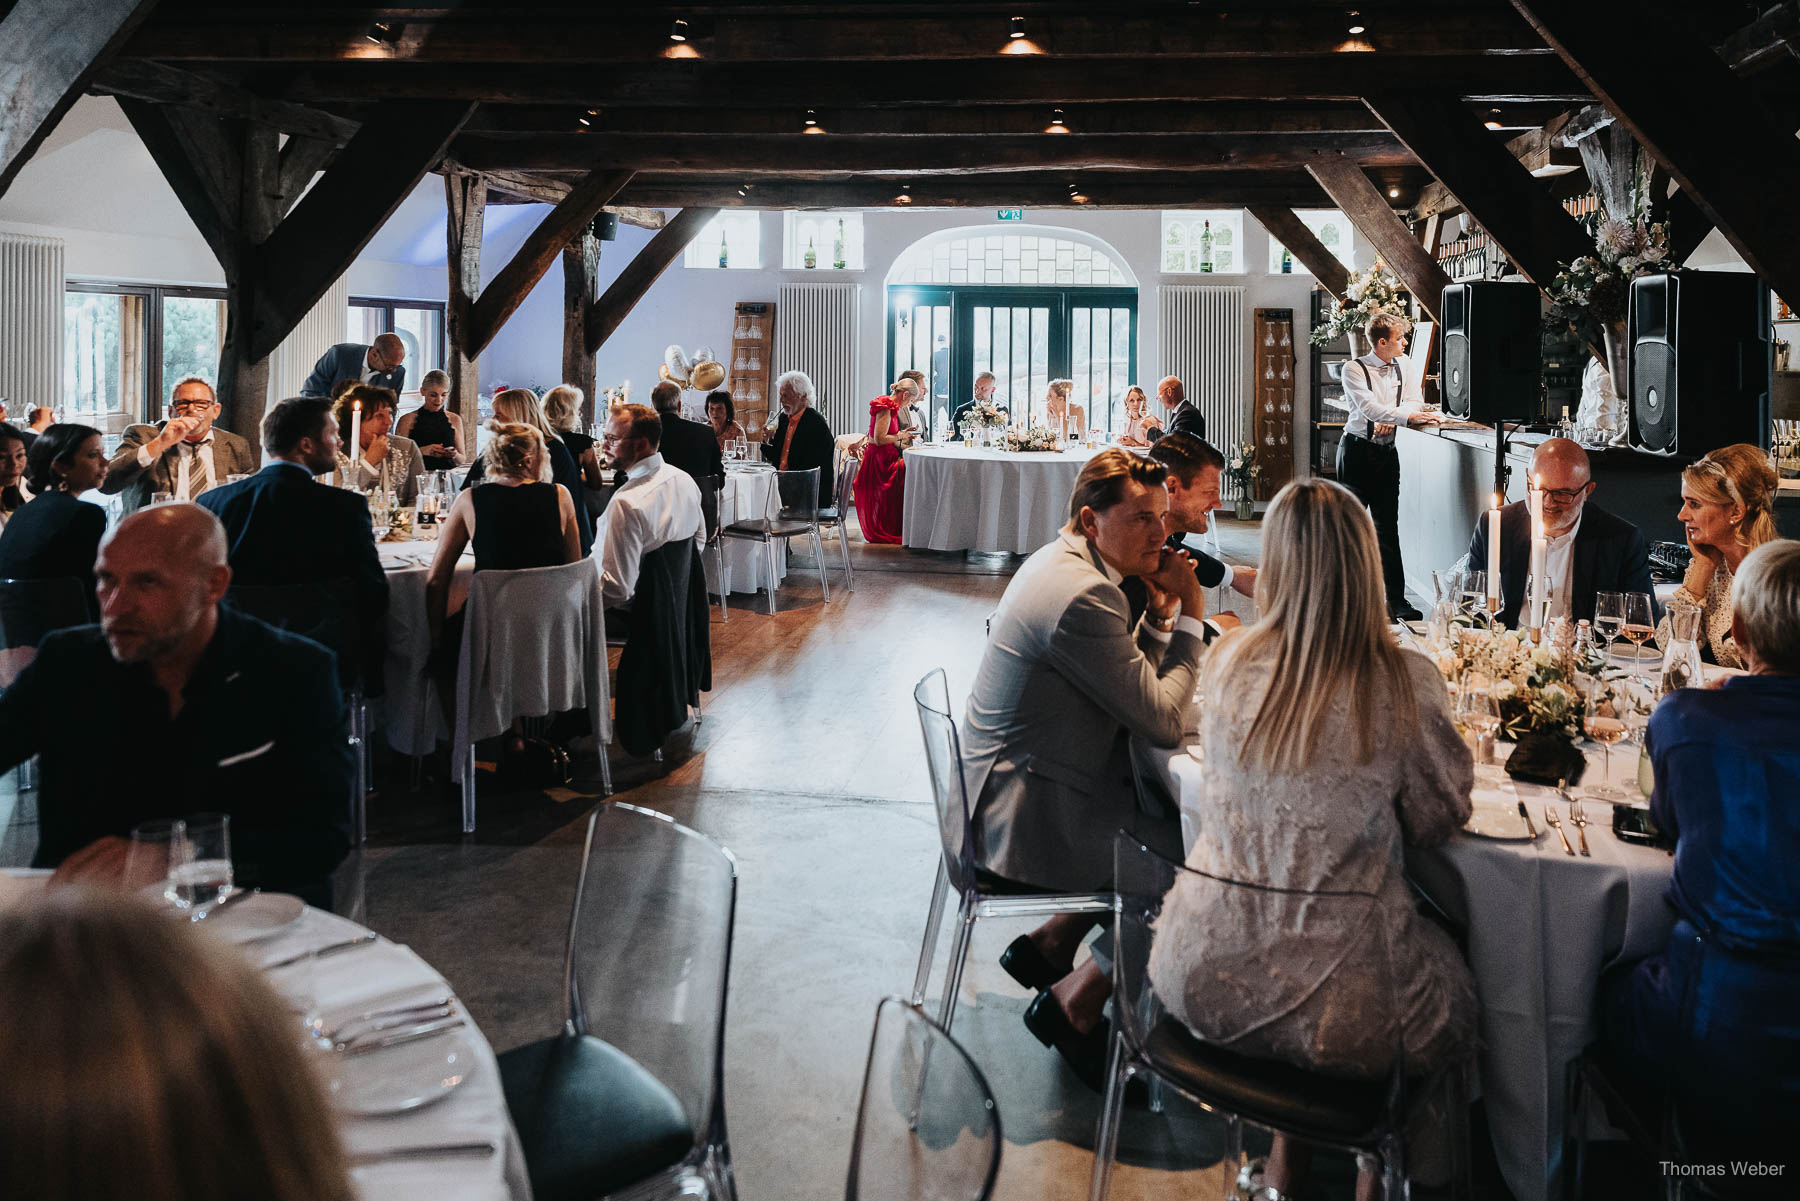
1526 814
402 1037
236 895
421 1151
393 1019
361 940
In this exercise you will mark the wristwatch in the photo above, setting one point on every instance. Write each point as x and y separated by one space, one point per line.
1162 625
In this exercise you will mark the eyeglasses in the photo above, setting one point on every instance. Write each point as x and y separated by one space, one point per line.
1566 496
191 406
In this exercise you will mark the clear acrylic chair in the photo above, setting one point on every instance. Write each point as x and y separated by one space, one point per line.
837 515
927 1125
628 1100
712 490
1364 1117
792 509
957 868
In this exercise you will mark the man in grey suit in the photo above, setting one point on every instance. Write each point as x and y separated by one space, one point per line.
381 364
1066 680
184 456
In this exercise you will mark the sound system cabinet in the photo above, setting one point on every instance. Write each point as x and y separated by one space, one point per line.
1493 354
1701 361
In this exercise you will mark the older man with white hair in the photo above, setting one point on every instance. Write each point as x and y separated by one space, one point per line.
801 438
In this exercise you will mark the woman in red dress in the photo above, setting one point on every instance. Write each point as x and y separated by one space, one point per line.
881 480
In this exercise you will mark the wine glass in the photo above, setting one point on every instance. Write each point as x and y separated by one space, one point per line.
157 849
1609 617
1639 626
199 884
1605 729
1478 712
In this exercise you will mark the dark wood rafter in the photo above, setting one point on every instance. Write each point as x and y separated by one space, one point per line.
1047 189
622 295
1359 200
301 159
49 50
139 79
1514 207
209 204
465 201
581 274
1539 150
509 287
1287 228
1732 167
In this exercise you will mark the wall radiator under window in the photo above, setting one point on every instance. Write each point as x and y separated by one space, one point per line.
31 323
816 332
1206 341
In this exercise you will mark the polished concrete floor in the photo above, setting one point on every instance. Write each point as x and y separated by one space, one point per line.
808 766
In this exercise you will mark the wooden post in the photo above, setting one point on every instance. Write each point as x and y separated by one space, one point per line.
243 371
1369 211
581 275
1287 228
643 270
465 196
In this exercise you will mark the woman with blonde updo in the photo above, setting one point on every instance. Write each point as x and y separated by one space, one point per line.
1139 421
1059 413
146 1064
520 406
1727 508
881 480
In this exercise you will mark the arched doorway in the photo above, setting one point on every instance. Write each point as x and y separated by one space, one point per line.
1029 303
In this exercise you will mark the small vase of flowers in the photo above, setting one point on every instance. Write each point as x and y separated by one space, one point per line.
1242 469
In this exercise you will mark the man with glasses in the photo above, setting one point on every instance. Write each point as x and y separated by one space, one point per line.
184 456
380 364
1589 550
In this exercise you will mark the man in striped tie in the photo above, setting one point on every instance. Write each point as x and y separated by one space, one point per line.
184 457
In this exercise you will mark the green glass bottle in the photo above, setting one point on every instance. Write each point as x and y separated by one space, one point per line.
837 248
811 259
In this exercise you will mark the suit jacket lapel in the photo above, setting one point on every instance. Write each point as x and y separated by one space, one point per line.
1581 574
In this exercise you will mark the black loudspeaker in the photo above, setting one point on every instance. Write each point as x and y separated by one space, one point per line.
1701 361
606 226
1493 358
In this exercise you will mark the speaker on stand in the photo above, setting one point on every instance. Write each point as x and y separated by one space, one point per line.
1702 361
1493 354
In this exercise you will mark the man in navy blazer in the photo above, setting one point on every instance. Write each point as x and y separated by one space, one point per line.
381 364
1590 550
1184 418
282 527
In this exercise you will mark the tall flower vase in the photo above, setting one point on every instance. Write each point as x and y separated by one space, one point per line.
1618 357
1359 344
1246 507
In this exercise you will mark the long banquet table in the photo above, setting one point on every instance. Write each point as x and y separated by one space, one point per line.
965 498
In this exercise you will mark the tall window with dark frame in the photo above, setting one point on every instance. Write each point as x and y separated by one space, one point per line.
419 323
125 345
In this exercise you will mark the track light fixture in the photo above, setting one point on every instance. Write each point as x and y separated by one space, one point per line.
905 196
1357 28
1016 30
812 119
1393 193
678 32
1056 122
744 191
383 33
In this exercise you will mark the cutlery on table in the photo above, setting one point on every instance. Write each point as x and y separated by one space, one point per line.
412 1034
1555 823
1526 814
389 1019
236 895
420 1151
348 944
1577 817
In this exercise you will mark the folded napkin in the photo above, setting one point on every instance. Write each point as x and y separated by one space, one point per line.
1546 759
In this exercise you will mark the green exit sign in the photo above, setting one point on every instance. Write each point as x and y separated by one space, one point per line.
1010 214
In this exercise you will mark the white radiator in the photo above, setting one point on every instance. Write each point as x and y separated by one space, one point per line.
1206 342
31 323
816 332
318 331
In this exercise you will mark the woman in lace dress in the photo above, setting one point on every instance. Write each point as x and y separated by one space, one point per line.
1328 750
384 460
1727 500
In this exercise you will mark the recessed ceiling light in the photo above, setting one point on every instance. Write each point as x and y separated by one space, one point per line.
812 119
678 32
1393 193
1017 29
1492 125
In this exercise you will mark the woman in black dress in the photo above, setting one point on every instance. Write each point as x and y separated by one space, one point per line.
520 406
437 434
56 536
562 409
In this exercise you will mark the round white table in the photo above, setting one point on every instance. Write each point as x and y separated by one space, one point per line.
963 498
744 497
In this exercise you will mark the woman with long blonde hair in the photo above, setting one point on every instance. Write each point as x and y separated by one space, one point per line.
146 1064
520 406
1328 748
1727 511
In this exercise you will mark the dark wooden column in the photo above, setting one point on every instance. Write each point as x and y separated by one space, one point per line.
243 371
49 50
1368 210
1702 122
1287 228
465 197
581 277
624 293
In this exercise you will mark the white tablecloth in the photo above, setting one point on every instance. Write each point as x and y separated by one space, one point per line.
411 716
958 498
744 497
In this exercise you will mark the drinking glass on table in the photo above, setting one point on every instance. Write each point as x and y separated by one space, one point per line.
1473 599
199 884
1638 627
1478 713
1605 729
1609 617
157 849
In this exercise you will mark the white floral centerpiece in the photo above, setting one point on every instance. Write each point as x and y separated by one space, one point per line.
986 416
1036 438
1368 292
1534 683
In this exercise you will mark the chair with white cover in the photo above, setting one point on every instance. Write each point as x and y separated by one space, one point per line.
534 643
976 895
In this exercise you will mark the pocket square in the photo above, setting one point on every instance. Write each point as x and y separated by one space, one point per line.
243 756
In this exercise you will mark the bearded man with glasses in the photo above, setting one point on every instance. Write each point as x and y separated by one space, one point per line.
1589 549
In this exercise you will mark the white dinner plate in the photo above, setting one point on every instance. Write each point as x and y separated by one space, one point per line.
1497 816
399 1078
255 917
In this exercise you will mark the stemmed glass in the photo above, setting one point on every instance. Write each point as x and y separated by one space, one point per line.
1478 711
1609 617
1604 729
1639 626
1473 601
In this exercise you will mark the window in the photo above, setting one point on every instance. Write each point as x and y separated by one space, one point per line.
125 345
420 324
1009 257
835 239
731 240
1331 228
1194 238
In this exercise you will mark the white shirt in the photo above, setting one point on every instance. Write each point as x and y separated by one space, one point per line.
1378 394
656 505
187 450
368 372
1186 624
1559 565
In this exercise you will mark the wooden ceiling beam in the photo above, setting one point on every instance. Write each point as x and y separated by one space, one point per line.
1537 149
835 154
1285 226
195 182
143 80
1359 200
622 295
1137 190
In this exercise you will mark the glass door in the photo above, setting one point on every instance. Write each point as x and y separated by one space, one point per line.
920 340
1014 337
1102 351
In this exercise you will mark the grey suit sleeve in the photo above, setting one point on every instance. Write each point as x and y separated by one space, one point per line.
1093 647
124 467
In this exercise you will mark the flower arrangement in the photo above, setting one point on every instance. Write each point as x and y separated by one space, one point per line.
1533 683
1242 468
986 416
1036 438
1368 293
1595 290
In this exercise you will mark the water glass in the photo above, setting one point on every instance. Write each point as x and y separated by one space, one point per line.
157 849
1478 713
161 498
199 884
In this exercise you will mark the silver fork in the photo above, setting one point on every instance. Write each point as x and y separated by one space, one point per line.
1580 821
1555 823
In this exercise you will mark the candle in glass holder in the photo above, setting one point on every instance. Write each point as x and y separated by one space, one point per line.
1493 556
355 436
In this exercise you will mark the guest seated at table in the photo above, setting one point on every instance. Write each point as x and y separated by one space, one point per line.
1139 421
41 418
689 445
984 394
721 414
281 528
1194 469
55 535
1066 678
1171 393
1589 550
383 460
1727 503
1328 749
437 433
1713 1014
801 439
14 491
145 1064
562 409
881 480
656 504
184 456
1060 414
520 406
214 711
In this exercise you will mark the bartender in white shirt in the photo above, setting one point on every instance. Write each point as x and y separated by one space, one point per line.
1380 399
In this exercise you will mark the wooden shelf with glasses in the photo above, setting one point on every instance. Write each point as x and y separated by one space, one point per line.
1273 373
749 366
